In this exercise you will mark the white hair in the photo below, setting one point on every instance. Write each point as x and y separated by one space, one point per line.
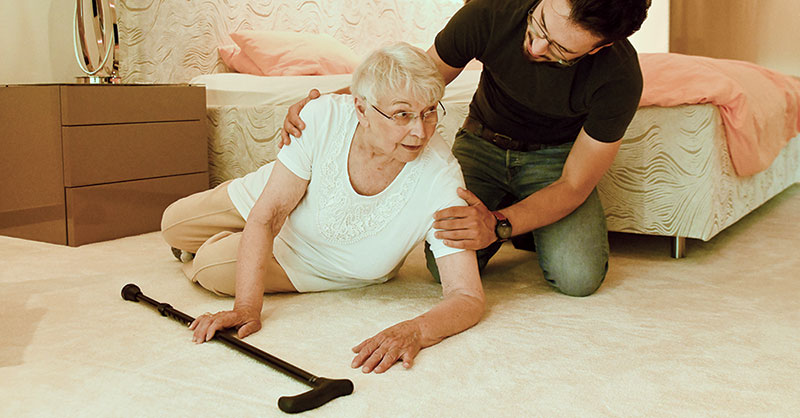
398 69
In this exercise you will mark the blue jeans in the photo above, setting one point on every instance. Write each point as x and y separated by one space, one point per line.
573 252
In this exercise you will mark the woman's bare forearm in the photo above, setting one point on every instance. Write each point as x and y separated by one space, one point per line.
456 313
255 250
463 304
278 199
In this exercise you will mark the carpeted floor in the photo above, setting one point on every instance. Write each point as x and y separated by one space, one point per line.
714 334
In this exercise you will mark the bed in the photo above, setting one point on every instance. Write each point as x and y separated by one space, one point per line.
672 177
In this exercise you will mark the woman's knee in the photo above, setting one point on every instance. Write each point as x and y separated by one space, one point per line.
188 222
170 224
217 278
214 273
214 265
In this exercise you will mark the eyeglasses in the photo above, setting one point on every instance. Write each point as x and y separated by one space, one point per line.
538 30
429 117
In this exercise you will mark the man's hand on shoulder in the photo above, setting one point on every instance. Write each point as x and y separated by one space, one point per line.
292 124
469 227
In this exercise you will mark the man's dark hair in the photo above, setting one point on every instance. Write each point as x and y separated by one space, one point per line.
611 20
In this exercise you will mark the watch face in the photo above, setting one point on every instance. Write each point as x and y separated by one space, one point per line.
503 229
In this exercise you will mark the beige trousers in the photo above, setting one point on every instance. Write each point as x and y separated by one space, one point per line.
208 225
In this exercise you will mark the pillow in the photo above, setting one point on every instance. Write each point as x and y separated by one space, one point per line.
236 60
293 53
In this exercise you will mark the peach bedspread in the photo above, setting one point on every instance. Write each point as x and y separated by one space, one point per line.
760 108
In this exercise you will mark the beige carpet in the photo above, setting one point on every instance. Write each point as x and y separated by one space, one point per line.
714 334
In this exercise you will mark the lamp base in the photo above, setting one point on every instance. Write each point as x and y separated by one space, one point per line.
98 80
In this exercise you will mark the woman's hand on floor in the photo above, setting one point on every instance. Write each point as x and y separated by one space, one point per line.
399 342
207 324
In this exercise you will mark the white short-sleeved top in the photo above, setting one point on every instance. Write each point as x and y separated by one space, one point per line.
336 238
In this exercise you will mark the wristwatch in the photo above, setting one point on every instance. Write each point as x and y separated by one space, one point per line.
503 227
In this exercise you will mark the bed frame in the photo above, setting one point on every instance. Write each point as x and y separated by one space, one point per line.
672 177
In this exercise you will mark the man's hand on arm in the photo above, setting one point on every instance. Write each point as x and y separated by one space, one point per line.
292 124
469 227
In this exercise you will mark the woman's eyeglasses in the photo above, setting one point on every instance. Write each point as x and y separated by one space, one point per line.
429 117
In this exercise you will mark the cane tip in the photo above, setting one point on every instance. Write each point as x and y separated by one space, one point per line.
130 292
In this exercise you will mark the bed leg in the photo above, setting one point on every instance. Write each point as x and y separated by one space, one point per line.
678 247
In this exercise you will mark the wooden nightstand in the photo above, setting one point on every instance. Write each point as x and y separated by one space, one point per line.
84 163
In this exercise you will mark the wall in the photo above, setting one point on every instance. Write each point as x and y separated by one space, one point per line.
654 34
759 31
36 41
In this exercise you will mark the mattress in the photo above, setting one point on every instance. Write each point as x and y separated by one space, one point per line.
246 113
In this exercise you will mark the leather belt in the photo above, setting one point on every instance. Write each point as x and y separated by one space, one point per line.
501 141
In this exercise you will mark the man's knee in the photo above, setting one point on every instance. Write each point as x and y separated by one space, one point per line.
577 279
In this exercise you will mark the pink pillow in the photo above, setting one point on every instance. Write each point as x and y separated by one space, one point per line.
233 57
294 53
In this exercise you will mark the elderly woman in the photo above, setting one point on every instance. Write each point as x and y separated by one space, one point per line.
340 208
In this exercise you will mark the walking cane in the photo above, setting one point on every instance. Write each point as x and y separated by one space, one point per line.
322 390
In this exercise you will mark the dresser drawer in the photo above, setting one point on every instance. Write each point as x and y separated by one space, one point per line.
108 153
108 211
93 104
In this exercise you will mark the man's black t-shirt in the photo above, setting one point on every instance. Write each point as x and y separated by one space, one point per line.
539 102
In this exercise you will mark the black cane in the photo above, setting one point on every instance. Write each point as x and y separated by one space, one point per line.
322 389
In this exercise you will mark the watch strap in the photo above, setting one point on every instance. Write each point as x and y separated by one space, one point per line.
502 222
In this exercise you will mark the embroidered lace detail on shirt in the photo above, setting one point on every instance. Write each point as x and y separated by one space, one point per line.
344 217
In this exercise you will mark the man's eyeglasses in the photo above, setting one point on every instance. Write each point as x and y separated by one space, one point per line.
538 30
429 117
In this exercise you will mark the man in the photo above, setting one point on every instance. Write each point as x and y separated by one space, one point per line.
559 86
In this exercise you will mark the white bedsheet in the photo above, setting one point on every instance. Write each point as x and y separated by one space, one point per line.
234 89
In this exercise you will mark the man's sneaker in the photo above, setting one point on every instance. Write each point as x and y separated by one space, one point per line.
182 256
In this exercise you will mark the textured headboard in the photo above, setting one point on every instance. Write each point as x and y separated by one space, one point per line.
172 41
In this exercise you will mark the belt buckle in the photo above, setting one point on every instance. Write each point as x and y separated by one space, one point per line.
504 141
